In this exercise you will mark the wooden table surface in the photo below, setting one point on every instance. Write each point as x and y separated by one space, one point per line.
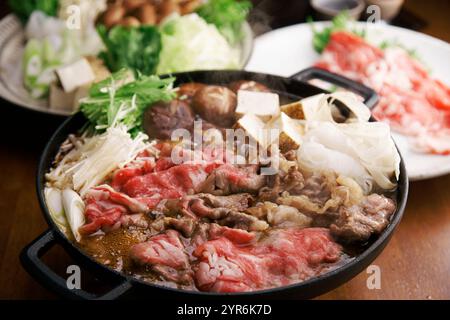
415 264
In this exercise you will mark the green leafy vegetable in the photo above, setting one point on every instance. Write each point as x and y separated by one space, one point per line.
122 100
227 16
24 8
339 23
136 48
189 43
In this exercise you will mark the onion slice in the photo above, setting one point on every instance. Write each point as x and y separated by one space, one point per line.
74 209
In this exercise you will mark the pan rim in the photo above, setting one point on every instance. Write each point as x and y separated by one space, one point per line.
357 263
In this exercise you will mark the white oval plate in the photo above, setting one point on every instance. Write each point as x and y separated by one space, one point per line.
12 41
288 50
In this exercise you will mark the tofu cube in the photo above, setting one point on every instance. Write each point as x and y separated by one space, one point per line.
291 132
254 127
293 110
59 99
262 104
75 75
80 93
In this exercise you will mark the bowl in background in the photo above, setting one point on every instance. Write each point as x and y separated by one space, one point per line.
327 9
388 8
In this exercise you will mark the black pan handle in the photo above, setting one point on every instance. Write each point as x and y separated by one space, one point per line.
31 261
369 95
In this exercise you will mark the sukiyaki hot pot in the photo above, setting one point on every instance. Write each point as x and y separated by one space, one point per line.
305 201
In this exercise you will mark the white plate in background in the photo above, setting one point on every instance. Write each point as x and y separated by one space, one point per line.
288 50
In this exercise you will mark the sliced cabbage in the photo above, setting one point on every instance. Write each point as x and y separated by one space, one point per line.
372 143
189 43
361 150
89 11
316 108
41 26
358 110
74 209
313 156
349 148
320 107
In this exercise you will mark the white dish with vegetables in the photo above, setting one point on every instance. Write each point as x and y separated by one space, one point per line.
46 67
424 157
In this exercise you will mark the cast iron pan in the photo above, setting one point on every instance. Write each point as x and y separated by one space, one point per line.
294 87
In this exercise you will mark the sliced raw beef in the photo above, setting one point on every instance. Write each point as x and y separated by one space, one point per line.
166 255
140 193
411 101
237 236
285 256
101 212
105 207
143 184
168 184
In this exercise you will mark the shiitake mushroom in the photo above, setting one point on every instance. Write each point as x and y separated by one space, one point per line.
162 118
188 90
215 104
